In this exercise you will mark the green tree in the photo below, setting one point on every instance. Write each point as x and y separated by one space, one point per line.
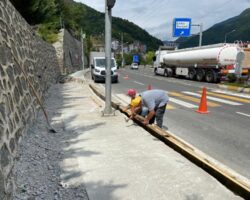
149 57
37 11
118 58
77 15
128 58
43 10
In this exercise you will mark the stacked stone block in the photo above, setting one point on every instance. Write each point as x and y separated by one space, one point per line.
20 51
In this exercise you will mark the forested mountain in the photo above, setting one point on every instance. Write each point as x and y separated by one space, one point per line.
47 15
236 28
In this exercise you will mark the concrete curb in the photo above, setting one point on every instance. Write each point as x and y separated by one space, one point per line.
234 88
232 180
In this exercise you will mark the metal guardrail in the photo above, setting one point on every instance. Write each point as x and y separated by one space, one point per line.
226 176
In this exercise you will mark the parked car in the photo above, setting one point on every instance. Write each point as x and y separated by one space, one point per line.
134 66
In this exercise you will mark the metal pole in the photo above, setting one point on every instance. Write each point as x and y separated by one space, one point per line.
201 29
82 42
108 109
61 21
122 52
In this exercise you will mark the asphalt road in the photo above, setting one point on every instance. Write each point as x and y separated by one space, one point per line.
224 133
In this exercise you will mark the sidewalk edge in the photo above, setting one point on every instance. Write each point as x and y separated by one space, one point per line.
234 88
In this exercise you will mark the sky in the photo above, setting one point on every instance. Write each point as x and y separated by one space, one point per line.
156 16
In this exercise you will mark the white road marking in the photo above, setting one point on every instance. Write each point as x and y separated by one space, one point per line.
214 99
240 113
233 93
139 83
182 103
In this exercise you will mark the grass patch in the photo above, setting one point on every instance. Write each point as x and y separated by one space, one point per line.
237 85
48 32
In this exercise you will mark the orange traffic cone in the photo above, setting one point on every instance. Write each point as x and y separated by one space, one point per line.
203 104
149 87
126 77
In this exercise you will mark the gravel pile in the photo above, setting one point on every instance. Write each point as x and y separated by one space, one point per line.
37 168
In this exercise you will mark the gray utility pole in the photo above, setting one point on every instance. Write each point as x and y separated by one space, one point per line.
228 34
122 51
82 42
108 22
201 30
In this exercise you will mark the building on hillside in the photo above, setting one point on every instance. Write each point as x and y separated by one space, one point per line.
143 48
171 44
138 47
126 49
131 47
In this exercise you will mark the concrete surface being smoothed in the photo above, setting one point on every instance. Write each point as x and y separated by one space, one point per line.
116 160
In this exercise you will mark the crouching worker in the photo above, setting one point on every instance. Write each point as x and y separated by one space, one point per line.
155 101
135 104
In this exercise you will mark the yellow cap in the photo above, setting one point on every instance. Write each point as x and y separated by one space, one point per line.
136 101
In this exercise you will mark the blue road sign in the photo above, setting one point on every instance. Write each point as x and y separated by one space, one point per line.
136 58
181 27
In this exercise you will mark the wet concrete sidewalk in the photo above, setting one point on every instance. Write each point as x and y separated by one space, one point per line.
116 160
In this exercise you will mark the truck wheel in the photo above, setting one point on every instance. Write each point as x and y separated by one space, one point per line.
166 73
210 76
191 74
200 74
216 77
170 72
155 71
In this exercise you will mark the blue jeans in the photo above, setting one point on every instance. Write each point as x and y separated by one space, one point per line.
159 113
144 111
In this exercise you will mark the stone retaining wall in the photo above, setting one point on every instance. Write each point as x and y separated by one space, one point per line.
72 53
69 52
23 56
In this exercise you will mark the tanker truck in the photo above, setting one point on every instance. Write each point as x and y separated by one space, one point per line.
210 63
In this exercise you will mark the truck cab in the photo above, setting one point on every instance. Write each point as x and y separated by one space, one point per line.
160 69
98 70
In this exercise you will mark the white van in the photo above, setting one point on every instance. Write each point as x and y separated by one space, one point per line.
98 71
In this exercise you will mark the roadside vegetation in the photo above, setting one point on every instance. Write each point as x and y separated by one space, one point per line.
232 80
48 16
236 84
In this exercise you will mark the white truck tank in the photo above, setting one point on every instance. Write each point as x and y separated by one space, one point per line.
211 55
